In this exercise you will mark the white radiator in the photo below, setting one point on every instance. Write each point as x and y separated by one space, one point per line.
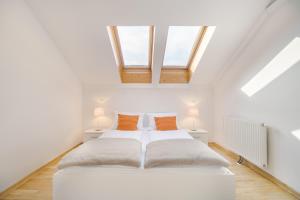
247 139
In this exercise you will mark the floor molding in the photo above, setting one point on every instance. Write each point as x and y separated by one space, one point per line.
259 171
34 173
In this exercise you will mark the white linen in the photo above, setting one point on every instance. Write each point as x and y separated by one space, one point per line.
140 124
145 137
137 135
152 120
168 135
105 151
181 153
94 182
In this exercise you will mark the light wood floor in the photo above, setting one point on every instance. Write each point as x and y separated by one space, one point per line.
249 185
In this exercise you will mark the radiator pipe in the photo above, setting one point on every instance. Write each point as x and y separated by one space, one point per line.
240 161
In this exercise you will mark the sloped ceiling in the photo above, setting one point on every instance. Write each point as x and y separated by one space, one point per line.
78 28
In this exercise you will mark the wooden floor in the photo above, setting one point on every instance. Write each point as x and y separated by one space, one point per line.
252 186
249 185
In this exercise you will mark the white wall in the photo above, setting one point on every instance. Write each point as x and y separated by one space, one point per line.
40 97
277 105
179 99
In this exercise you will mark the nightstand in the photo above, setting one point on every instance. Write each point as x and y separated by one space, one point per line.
92 134
199 134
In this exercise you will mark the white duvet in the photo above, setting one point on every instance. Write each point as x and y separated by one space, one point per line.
146 137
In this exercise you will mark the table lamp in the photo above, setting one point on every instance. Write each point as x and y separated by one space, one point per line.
194 113
98 113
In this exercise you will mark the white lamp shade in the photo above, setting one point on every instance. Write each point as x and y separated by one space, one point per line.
98 112
194 112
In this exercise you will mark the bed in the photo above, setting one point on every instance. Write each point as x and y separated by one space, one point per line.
121 182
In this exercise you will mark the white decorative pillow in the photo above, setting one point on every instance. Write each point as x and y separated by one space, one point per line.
162 114
140 125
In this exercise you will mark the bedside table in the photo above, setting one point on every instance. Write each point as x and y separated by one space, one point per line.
91 134
199 134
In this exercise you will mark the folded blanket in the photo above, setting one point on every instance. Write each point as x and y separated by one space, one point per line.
181 153
106 151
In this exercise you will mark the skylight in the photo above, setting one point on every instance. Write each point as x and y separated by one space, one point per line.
134 42
185 47
180 43
133 50
284 60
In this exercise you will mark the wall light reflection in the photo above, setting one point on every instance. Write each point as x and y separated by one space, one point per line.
296 133
191 102
101 100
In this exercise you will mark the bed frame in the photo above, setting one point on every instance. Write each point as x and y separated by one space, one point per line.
108 183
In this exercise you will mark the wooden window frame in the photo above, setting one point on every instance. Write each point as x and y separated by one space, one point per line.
178 74
134 73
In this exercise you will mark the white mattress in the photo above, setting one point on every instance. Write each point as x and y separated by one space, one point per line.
145 137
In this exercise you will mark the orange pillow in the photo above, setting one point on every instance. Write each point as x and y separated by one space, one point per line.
127 122
165 123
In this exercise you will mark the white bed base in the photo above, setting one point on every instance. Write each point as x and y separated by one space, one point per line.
104 183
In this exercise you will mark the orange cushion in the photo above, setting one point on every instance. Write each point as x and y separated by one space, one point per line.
127 122
165 123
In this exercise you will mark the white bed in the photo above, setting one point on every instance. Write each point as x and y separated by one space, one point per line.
122 183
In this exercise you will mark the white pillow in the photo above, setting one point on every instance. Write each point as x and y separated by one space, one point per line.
140 125
152 120
137 135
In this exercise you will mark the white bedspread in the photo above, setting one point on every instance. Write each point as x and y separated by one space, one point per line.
146 137
104 152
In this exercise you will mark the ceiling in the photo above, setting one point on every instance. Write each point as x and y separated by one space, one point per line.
78 28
